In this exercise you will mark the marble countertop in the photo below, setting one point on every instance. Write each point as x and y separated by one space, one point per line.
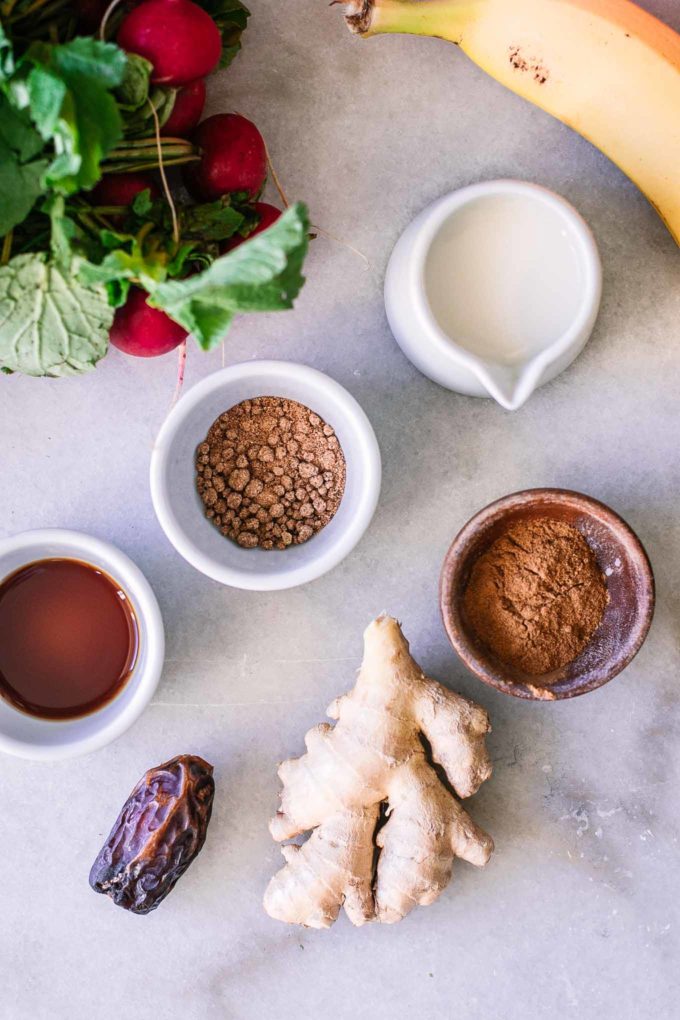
577 913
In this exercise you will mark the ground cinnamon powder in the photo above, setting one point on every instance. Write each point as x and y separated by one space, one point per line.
536 596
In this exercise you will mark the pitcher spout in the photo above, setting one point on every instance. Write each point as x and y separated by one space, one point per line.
510 385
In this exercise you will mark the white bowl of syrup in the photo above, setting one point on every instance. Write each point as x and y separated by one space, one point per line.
81 644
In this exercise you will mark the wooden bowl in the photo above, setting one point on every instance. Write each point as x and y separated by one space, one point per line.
622 559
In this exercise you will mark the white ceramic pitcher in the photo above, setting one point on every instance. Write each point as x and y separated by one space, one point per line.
452 360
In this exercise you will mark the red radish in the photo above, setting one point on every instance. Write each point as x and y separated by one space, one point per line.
178 37
233 158
122 189
143 331
186 111
268 214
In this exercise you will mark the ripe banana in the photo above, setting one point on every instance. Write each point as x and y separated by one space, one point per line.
606 68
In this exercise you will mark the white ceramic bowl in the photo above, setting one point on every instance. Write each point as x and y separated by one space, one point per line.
559 231
49 740
181 512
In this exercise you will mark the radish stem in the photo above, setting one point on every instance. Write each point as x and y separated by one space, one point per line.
30 10
175 233
181 365
164 179
105 17
130 168
275 178
6 248
145 147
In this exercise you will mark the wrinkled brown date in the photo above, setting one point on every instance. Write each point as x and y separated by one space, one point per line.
158 833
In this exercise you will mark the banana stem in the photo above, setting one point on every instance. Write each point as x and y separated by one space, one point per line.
445 18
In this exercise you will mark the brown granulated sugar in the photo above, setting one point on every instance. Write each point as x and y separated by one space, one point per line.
270 472
536 596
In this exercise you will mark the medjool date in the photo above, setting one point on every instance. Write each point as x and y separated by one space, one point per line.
158 833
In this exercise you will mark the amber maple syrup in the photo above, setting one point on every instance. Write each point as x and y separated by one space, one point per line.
69 638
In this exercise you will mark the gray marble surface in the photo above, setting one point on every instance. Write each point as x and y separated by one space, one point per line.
577 913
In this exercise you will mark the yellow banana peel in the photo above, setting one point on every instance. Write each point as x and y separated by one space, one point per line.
606 68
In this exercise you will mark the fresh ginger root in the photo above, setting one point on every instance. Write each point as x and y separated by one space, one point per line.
385 826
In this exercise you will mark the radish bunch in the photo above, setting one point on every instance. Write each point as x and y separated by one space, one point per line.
101 104
183 44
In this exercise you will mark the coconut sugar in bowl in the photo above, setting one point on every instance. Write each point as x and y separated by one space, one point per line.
270 473
335 509
614 626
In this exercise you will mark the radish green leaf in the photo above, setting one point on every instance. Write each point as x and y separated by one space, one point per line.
21 174
50 322
263 274
231 18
